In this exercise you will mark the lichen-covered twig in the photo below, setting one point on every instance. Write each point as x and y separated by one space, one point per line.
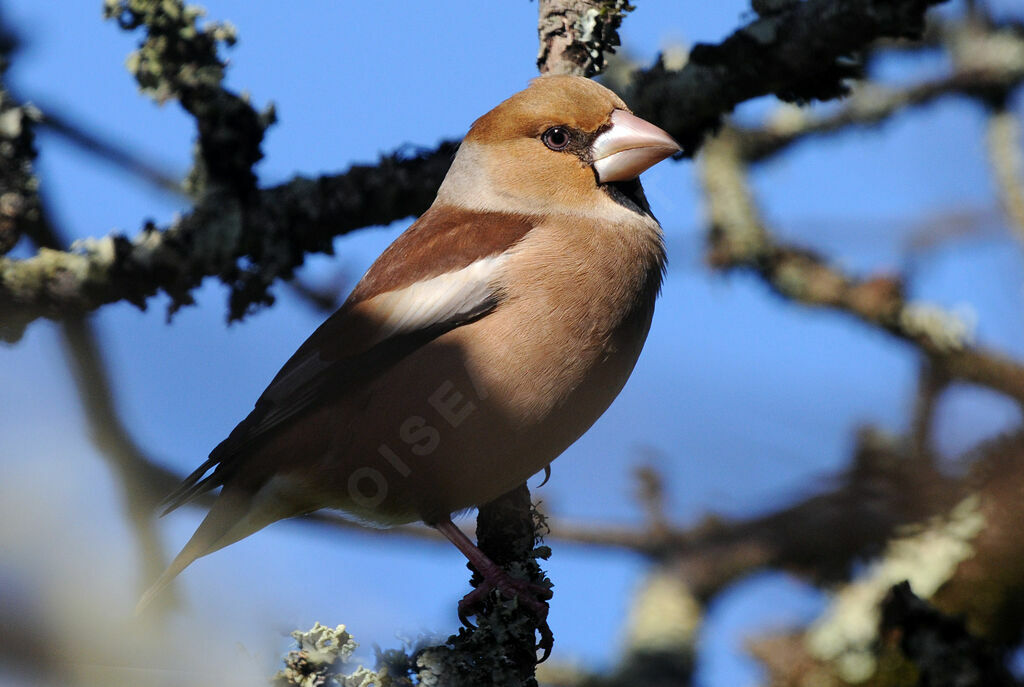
502 648
304 215
178 59
575 35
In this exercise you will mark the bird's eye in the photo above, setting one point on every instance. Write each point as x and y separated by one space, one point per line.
556 138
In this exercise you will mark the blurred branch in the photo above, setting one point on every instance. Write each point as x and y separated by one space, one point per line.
143 484
868 104
879 492
1004 153
931 384
250 242
107 150
965 561
651 495
739 239
326 298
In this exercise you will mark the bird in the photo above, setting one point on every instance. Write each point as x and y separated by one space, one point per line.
481 343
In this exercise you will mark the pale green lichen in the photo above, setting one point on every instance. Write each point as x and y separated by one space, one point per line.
431 666
675 56
946 331
664 616
847 633
177 53
319 658
986 50
786 120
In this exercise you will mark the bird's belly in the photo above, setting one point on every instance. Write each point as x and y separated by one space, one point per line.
463 430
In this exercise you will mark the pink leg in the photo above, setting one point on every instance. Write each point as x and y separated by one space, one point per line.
531 596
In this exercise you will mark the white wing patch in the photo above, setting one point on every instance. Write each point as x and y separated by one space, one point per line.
455 296
459 295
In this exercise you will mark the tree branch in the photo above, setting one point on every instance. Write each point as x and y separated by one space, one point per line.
803 51
797 53
274 234
575 35
178 59
965 560
739 239
987 64
1004 154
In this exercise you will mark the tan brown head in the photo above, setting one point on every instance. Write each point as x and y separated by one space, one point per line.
553 144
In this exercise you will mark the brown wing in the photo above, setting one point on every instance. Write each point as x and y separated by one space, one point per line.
425 284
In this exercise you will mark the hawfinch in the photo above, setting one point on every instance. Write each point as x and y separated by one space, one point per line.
486 339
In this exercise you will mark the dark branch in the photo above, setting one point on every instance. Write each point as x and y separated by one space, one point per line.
272 236
945 653
806 51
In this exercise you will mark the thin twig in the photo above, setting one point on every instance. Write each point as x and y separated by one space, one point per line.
931 383
1003 141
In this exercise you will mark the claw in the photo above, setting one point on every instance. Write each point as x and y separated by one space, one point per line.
531 596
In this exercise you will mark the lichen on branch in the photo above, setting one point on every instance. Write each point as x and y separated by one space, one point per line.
576 35
178 59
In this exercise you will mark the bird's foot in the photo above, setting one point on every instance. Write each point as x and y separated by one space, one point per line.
529 595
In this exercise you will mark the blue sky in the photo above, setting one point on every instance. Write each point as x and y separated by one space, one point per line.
746 402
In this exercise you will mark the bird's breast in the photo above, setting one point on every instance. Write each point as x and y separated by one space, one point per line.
478 410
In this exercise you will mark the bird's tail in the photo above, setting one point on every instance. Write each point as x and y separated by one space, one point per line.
235 515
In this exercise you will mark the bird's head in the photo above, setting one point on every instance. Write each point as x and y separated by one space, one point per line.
559 143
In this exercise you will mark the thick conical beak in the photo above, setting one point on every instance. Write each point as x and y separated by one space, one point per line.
629 147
